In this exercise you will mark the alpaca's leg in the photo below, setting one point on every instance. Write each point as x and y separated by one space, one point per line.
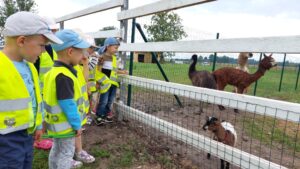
201 107
222 164
221 86
240 90
208 155
227 165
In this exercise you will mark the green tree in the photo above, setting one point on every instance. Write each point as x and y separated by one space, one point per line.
165 26
100 42
9 7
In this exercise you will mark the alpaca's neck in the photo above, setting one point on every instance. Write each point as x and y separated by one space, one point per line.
192 68
258 74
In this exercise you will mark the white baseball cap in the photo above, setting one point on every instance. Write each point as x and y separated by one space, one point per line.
27 23
51 22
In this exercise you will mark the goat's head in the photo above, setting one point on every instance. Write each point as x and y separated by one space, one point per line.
268 62
194 57
212 123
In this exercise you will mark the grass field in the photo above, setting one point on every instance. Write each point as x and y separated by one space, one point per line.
267 87
124 155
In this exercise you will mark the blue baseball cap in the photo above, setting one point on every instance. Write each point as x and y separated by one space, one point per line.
108 42
70 39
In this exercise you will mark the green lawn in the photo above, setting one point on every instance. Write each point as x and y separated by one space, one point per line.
267 86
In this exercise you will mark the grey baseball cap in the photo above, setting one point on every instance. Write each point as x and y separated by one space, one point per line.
27 23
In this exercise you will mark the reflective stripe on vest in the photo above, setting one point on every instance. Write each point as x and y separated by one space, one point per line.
13 129
44 69
58 127
92 84
113 79
57 109
102 79
14 105
84 89
91 76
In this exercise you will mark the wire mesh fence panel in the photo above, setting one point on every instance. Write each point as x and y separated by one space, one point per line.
267 134
177 71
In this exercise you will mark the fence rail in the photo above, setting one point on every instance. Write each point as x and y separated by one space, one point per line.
284 44
160 6
106 34
228 153
97 8
273 108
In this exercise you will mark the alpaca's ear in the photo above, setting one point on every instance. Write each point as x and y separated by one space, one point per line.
270 54
265 55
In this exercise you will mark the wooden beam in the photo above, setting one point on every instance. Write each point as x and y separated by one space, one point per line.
263 106
160 6
233 155
106 34
96 8
285 44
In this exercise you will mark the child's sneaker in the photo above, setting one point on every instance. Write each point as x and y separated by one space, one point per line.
84 157
110 115
76 164
99 121
89 120
108 120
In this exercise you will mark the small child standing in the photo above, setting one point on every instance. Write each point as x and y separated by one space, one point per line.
64 102
106 77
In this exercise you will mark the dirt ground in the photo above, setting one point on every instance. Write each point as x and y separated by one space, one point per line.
190 117
132 145
118 145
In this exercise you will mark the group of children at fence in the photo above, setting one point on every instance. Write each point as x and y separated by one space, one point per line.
46 90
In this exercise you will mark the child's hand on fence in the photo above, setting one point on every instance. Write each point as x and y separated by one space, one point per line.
122 72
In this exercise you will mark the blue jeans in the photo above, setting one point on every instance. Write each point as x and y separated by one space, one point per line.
16 150
105 102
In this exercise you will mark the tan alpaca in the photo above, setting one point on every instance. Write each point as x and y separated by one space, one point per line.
243 65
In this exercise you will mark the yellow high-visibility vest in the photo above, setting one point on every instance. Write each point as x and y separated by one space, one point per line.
83 86
15 102
46 63
56 120
92 81
106 82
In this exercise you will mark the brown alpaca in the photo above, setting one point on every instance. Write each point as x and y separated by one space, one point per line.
239 78
201 78
223 132
243 65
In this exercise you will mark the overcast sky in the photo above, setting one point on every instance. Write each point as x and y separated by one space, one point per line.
231 18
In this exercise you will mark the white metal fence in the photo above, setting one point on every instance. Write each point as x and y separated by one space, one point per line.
267 108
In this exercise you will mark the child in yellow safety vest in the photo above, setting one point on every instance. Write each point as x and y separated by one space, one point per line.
64 101
26 35
107 78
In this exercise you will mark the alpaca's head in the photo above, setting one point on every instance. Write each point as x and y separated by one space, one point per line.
245 55
267 62
194 57
212 124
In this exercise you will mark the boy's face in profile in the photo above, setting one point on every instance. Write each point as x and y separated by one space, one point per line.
75 55
112 49
31 47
